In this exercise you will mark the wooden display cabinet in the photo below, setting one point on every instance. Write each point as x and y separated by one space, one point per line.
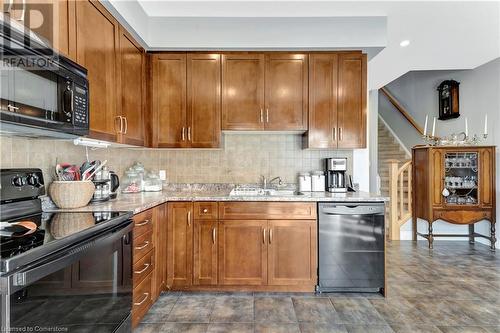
456 185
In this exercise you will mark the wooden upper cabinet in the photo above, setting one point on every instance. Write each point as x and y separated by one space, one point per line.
49 19
351 112
242 252
323 81
180 244
169 100
292 252
203 100
286 91
205 252
243 91
97 50
132 102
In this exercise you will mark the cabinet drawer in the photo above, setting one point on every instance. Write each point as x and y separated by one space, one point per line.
143 222
267 210
462 216
142 245
205 210
143 267
141 299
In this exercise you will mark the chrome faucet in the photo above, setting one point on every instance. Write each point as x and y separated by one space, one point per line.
266 182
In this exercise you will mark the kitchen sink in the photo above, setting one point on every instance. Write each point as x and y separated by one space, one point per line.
262 192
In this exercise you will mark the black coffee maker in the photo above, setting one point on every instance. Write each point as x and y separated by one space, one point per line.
336 175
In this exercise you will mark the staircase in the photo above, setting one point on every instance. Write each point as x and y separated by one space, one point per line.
388 149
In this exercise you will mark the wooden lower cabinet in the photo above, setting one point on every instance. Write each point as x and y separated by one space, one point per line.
292 254
242 252
149 257
180 240
205 252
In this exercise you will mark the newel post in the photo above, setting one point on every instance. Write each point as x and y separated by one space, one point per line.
393 195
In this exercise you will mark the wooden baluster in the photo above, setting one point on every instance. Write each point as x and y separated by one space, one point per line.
393 195
401 196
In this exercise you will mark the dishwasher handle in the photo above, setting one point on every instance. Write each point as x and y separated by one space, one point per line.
354 209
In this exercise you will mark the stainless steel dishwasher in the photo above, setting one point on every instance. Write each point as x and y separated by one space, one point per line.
351 247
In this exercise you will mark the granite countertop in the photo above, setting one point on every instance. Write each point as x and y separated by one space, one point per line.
138 202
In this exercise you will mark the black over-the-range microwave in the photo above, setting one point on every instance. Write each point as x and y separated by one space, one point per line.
42 92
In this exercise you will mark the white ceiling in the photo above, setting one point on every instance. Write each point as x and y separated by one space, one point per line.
443 35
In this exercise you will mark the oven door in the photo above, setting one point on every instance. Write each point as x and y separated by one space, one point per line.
85 289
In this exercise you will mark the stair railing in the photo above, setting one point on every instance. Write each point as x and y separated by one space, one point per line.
401 110
399 212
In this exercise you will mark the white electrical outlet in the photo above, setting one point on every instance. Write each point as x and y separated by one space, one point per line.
163 175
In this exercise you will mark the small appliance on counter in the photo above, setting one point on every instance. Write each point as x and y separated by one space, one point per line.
337 180
106 184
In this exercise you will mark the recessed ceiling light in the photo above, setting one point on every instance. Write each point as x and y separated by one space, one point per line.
404 43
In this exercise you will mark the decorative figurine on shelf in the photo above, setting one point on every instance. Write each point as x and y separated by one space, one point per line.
448 100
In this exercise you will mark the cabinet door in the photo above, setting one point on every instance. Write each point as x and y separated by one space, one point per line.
204 100
169 100
292 252
243 91
351 113
180 244
242 252
160 231
133 69
47 18
487 176
286 92
205 252
97 50
437 177
323 77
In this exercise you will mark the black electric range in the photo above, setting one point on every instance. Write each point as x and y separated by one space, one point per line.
54 232
72 269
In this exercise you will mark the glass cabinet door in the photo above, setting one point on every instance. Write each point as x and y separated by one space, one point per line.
461 178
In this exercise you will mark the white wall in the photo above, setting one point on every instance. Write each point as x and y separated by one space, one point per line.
479 95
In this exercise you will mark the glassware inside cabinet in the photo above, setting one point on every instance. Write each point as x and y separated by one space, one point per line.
461 178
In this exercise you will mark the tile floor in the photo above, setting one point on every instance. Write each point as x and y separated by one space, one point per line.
454 288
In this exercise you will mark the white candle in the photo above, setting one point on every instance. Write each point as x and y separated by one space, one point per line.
425 126
485 124
466 128
434 127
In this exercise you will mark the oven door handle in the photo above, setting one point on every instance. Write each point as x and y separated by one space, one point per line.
27 277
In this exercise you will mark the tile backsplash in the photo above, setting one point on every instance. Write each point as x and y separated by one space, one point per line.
243 158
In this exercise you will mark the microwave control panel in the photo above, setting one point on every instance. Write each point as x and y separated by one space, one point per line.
80 106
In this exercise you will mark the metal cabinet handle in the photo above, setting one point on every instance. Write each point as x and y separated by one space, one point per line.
143 223
146 295
189 218
189 133
213 235
270 236
119 118
340 133
261 115
145 244
264 235
146 266
205 210
125 120
267 115
23 12
334 133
